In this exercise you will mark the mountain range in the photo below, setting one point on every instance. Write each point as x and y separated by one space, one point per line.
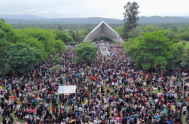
30 19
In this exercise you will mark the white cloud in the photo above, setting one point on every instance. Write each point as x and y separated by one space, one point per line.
92 8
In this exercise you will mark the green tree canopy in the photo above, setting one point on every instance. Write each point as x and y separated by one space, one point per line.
20 57
7 35
60 46
46 37
178 56
119 30
135 32
151 50
60 35
85 51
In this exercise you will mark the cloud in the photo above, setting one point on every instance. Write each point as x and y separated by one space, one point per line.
92 8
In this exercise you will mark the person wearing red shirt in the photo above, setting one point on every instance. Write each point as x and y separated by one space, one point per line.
161 97
113 98
125 74
14 97
52 92
53 110
22 102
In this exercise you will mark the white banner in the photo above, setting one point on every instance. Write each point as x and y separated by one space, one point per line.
67 89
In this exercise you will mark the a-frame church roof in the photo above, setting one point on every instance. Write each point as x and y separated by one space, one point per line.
103 29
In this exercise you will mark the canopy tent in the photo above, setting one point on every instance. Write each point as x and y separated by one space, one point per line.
67 89
106 30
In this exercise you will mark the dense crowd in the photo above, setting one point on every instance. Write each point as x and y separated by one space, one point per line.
110 90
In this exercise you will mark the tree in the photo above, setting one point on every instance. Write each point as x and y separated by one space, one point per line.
77 36
3 20
60 46
73 36
85 51
178 56
130 46
185 62
46 37
55 69
20 57
135 32
7 35
60 28
130 18
172 36
60 35
54 59
184 35
150 28
119 30
151 50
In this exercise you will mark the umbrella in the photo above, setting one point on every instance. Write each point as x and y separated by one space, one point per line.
80 109
117 119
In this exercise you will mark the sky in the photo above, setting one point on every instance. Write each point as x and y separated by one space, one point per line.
92 8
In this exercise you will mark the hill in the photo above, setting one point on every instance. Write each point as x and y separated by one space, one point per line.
92 20
18 16
165 19
28 19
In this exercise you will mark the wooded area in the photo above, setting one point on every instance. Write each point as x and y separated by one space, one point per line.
22 48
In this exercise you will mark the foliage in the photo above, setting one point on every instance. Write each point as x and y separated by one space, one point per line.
85 51
130 46
119 30
46 37
178 56
130 18
54 59
135 32
151 28
7 35
60 35
172 36
60 28
184 35
55 69
150 50
22 48
184 43
20 57
59 46
185 62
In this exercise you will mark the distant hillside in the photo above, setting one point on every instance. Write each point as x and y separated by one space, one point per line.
22 17
165 19
185 16
27 19
92 20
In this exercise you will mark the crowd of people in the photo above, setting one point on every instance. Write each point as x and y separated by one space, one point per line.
110 90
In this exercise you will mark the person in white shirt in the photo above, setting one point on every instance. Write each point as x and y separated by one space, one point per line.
113 84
